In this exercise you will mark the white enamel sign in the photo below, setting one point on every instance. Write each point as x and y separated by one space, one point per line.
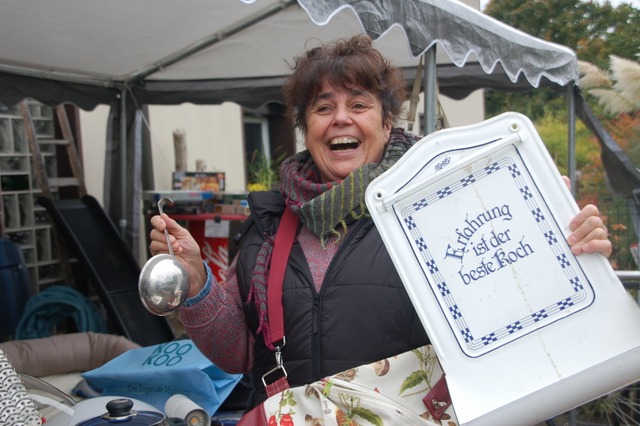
475 220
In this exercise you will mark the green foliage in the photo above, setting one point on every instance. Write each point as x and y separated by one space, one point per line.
414 379
553 130
423 356
367 415
289 399
423 374
590 183
592 29
625 130
533 104
616 408
263 173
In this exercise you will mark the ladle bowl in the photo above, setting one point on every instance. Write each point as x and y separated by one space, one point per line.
163 283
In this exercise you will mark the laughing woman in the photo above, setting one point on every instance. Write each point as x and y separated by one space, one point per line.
343 301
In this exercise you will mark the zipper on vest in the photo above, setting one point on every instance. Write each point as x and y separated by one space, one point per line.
315 343
316 315
316 355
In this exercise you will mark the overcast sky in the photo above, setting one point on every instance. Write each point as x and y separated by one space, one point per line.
634 3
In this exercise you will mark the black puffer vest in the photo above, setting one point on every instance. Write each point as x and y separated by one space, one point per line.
362 313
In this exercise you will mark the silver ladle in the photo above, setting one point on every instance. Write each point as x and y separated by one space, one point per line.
164 282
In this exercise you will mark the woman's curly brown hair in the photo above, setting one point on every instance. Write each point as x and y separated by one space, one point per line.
346 63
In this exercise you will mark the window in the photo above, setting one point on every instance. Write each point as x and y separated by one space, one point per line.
256 138
268 138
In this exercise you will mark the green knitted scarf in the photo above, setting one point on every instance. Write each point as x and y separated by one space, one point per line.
328 208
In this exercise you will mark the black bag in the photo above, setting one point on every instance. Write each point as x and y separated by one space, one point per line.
14 286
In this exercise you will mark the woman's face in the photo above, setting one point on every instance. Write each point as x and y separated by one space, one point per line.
345 131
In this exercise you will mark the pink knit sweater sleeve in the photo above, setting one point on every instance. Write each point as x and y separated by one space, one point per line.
216 322
217 326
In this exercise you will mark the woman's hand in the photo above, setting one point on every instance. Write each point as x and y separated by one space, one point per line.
184 246
588 232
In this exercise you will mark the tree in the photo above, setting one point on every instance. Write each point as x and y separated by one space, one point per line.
593 30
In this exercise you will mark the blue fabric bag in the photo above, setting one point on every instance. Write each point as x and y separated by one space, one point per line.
154 373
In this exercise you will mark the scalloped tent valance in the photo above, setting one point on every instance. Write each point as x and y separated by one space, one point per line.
462 32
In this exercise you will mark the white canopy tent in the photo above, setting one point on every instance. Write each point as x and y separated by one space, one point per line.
119 43
127 54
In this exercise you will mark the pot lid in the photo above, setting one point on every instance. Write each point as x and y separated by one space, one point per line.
120 410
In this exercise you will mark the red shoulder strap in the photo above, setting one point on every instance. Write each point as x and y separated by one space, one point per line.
281 250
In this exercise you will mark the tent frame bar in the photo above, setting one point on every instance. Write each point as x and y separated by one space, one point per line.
122 223
61 76
430 90
571 137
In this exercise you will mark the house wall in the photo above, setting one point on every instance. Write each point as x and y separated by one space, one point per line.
213 134
467 111
93 128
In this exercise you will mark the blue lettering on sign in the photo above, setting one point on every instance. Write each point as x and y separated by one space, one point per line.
472 225
499 259
504 258
483 251
443 163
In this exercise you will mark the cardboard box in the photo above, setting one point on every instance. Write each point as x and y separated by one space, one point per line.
199 181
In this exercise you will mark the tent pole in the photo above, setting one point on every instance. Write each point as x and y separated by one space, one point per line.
430 90
122 223
571 124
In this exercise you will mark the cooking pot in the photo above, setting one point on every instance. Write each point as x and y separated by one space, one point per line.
112 410
120 410
59 409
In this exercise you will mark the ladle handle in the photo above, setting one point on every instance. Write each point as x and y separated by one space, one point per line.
161 203
166 235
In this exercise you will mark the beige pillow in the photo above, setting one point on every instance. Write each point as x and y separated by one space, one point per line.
64 353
